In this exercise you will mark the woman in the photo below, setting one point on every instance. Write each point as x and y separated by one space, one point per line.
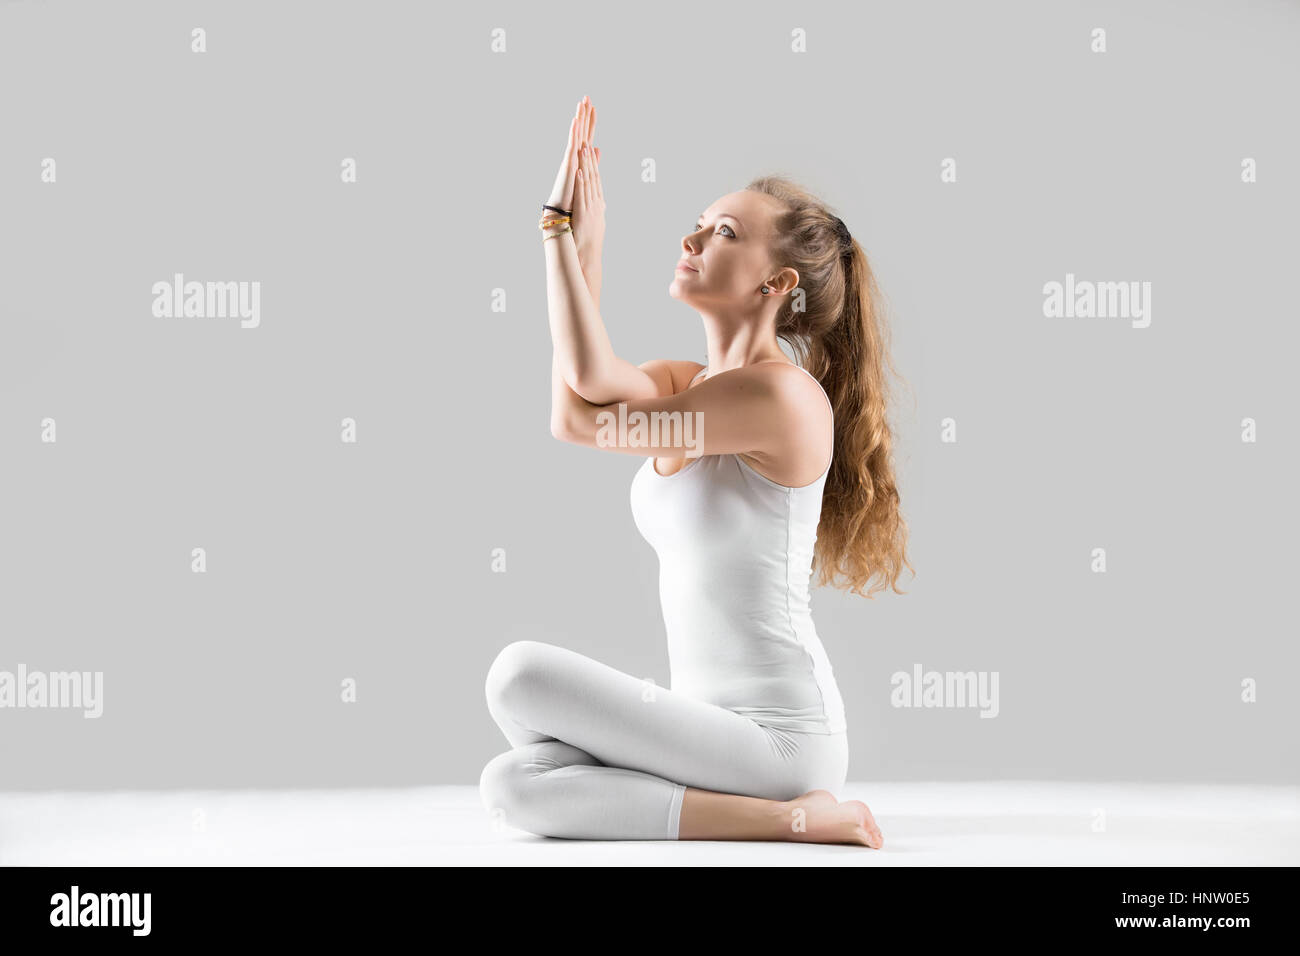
778 476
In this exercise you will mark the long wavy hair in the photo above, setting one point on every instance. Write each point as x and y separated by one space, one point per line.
837 332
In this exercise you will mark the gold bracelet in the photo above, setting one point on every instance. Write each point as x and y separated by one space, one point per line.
554 234
547 223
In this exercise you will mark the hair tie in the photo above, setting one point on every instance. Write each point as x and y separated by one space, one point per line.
846 240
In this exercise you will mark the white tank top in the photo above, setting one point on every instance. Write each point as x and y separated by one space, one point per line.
735 562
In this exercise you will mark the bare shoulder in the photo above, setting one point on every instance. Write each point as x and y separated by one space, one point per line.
792 386
801 415
671 375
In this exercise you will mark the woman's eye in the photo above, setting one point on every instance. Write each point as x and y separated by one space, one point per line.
723 226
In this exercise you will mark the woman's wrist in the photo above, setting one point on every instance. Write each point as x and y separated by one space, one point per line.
554 222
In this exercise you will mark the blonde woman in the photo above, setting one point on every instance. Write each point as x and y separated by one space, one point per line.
789 471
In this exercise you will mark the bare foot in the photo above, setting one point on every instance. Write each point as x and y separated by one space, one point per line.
817 817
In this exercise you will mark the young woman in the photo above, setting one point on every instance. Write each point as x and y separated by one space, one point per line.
788 469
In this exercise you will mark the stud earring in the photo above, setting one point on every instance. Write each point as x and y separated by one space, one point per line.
764 290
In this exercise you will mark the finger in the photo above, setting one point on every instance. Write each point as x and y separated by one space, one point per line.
569 148
592 173
583 138
597 188
591 133
570 165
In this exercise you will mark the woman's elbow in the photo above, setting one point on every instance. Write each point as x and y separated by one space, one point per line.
559 428
566 430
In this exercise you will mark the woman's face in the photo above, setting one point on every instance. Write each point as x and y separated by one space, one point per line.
725 259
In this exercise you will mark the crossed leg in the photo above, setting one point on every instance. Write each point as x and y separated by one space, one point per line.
601 755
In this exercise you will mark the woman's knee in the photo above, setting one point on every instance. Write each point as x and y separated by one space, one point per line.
516 669
513 785
500 786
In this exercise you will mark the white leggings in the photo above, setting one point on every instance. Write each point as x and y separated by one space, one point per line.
602 755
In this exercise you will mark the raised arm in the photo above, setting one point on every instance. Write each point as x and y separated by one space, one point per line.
583 353
582 348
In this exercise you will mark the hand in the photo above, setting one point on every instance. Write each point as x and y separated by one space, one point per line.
588 208
581 128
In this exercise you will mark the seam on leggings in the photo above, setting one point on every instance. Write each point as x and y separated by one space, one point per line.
675 812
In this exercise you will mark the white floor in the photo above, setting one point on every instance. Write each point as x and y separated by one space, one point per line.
925 824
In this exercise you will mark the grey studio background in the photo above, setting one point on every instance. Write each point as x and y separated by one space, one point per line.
372 561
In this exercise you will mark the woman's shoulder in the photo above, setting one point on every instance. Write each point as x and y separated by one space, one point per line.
792 381
795 384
